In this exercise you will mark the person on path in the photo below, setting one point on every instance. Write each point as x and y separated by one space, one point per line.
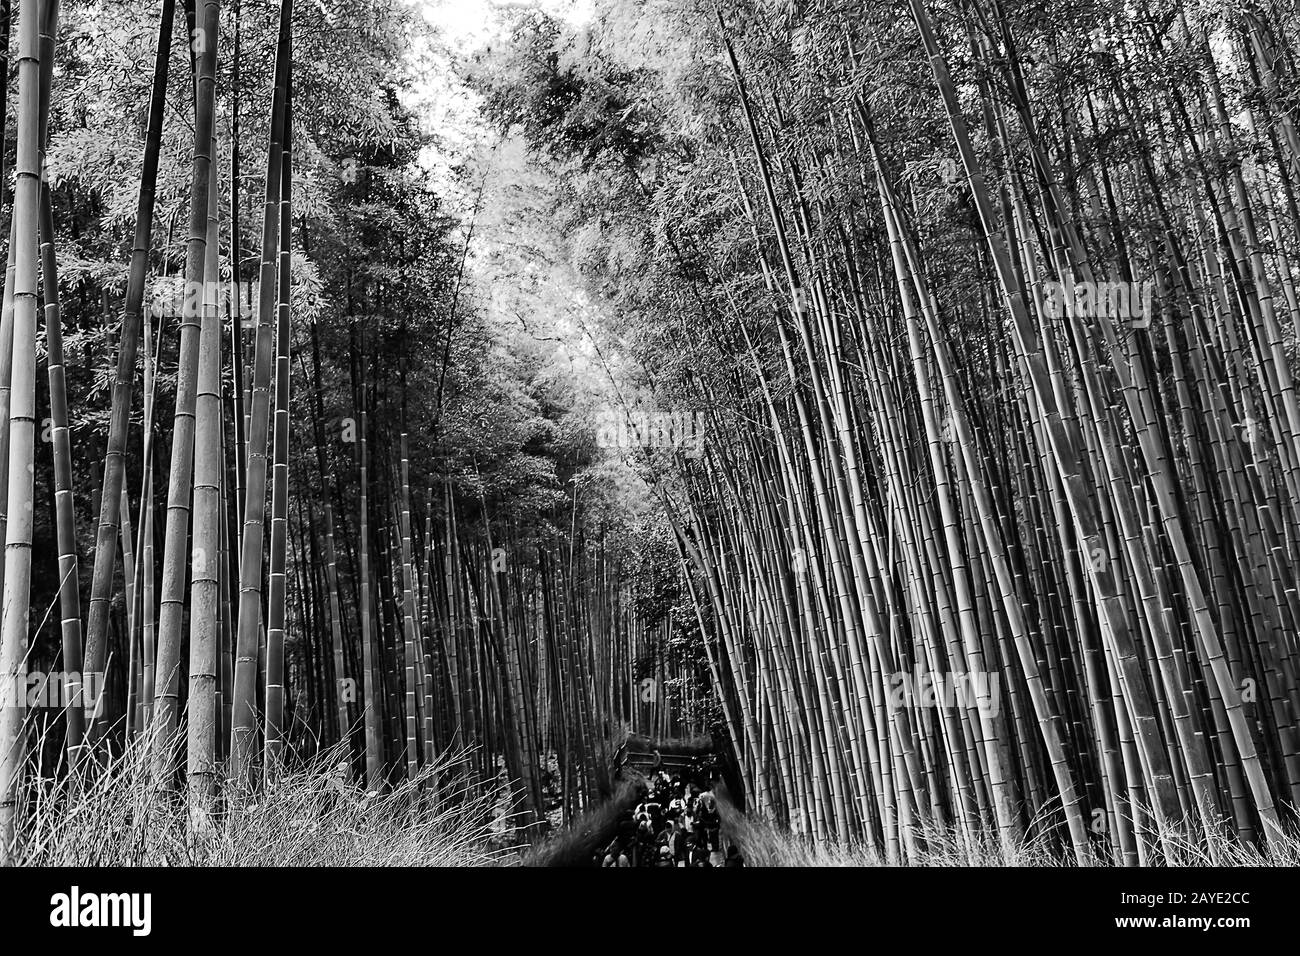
678 842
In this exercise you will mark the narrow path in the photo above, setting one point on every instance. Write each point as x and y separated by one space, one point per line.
675 822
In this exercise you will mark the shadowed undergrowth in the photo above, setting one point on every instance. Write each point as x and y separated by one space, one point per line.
576 842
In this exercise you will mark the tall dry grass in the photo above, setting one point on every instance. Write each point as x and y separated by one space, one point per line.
763 843
309 816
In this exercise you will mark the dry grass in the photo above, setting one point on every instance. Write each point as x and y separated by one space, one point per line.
763 843
1178 848
309 817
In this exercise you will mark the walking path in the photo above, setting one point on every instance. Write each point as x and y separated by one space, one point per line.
675 824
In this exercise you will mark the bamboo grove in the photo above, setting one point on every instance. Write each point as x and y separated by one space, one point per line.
896 255
283 522
922 423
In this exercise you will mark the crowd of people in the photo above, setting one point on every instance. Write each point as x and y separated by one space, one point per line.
675 824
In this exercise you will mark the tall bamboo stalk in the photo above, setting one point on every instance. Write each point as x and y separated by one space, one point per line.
248 634
16 604
180 475
280 468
